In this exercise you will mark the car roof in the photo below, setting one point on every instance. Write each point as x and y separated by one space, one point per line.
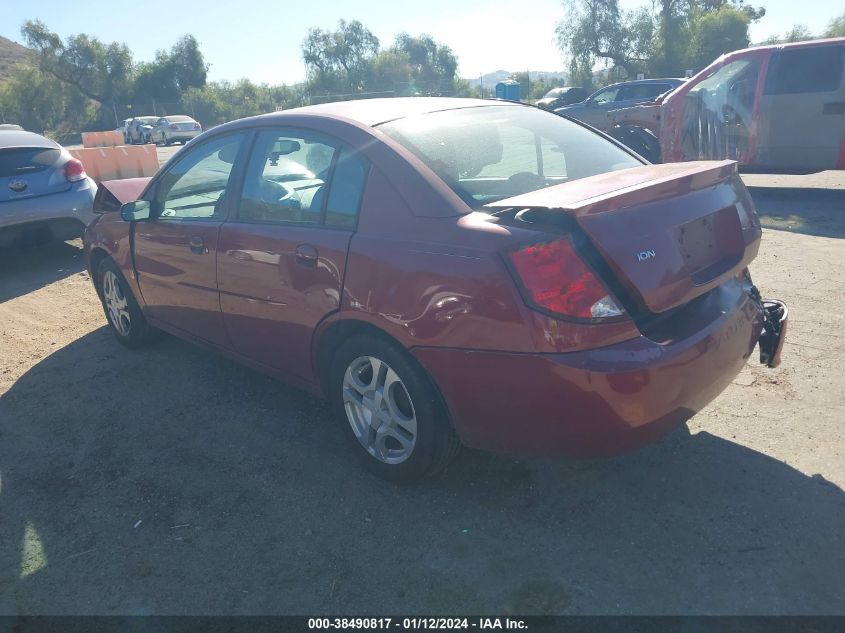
17 138
661 80
372 112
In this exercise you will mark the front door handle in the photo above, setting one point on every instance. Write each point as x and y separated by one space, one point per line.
198 247
306 255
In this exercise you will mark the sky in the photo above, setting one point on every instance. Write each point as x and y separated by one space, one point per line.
261 39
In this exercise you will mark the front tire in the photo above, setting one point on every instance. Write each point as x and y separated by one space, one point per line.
392 414
123 313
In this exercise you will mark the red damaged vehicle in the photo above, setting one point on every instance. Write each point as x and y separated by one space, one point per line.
446 271
779 108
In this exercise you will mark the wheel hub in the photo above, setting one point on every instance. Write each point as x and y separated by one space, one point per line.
379 410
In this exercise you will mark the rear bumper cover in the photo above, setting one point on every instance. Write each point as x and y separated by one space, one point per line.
597 402
77 203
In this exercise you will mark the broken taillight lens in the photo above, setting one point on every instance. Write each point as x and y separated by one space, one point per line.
557 280
74 170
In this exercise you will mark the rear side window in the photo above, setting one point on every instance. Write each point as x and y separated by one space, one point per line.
799 70
346 188
26 160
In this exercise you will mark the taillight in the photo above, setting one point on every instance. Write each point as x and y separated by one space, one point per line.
197 126
557 280
173 126
74 170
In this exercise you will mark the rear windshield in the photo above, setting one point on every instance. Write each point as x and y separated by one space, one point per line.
490 153
20 161
179 119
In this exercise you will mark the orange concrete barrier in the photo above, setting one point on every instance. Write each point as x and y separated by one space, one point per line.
102 139
115 163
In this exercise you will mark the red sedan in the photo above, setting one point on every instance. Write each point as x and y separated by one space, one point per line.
447 272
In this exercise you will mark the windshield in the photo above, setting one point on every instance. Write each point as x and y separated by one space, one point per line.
490 153
553 94
179 119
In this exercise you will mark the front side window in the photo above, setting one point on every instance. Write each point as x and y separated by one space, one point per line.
718 110
194 187
302 178
605 96
490 153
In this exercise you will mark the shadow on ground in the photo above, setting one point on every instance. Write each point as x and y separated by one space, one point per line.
24 269
812 211
168 480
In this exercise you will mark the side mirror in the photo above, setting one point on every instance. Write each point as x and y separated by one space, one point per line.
134 211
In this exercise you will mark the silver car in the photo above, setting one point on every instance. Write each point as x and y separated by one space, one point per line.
140 128
44 191
173 128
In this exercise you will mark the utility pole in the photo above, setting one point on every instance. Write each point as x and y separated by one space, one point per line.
481 79
114 109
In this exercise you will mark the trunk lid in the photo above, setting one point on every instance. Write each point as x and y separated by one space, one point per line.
27 172
668 233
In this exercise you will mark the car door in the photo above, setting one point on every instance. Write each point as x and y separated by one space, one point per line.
176 249
158 130
802 109
594 110
282 254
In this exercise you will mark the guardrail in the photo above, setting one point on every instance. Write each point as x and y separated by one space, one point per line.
114 163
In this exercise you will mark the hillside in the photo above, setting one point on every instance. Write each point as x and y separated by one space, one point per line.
491 79
11 54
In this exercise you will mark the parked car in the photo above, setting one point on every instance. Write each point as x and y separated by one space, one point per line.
594 109
10 127
44 191
174 128
776 107
123 128
558 97
140 129
447 271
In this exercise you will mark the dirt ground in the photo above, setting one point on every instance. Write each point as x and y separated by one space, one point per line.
171 481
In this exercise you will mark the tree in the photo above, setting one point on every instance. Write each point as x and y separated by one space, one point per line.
836 27
718 32
339 60
594 30
100 71
171 74
432 65
798 33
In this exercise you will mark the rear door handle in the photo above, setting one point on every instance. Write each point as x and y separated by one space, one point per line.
197 245
306 255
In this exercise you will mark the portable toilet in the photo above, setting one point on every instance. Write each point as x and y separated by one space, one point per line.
508 89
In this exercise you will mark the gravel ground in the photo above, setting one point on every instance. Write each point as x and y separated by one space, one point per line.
171 481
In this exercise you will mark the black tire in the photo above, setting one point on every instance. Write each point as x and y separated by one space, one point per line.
166 142
436 443
137 332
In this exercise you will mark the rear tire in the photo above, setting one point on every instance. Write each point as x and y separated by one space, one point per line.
391 413
123 313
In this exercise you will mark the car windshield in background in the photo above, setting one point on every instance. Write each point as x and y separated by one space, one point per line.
490 153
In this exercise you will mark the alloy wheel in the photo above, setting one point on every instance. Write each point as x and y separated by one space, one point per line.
379 410
116 303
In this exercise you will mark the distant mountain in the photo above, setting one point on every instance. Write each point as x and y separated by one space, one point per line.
492 78
11 55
